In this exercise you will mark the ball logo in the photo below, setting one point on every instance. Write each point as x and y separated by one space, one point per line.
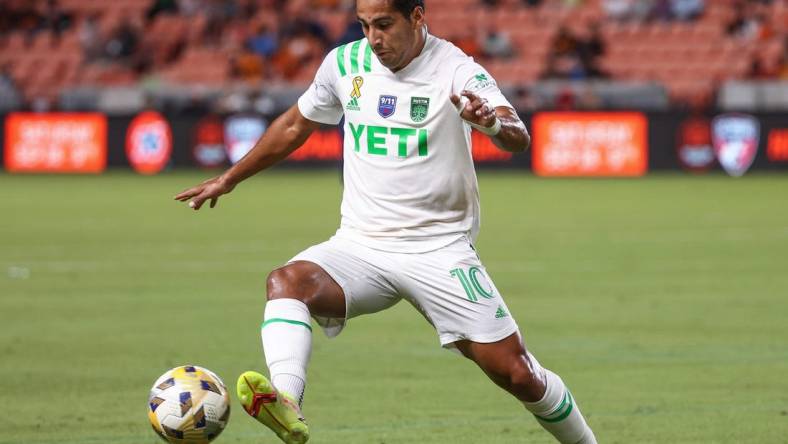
149 143
387 105
735 138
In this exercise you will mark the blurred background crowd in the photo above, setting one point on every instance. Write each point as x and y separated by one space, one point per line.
235 55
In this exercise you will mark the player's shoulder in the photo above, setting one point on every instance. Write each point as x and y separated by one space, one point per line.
349 58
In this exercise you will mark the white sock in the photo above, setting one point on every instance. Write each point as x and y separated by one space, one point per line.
287 344
558 413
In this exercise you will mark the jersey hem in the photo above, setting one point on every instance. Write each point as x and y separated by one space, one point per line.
411 245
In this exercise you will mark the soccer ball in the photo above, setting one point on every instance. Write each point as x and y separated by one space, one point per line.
188 405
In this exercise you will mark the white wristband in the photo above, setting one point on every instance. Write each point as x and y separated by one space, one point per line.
491 130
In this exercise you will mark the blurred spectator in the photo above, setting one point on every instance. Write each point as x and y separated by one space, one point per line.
10 99
306 25
496 44
55 18
564 43
353 30
532 3
468 43
590 47
524 101
23 16
296 52
617 9
190 7
248 66
686 9
265 42
576 56
622 10
568 66
122 42
7 84
749 22
640 10
89 37
565 100
162 6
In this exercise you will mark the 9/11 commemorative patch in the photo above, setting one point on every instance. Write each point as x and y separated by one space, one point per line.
387 105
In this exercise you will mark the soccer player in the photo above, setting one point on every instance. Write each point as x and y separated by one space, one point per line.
410 213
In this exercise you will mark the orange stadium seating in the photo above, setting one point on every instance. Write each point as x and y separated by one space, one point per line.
690 59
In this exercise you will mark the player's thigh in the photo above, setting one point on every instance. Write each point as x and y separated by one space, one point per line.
454 292
361 273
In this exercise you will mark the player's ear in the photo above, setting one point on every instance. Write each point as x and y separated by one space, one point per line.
417 17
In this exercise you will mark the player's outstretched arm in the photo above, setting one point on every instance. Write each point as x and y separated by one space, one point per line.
510 136
285 135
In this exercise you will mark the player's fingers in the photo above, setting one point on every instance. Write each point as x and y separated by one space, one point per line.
187 194
197 202
483 110
470 95
455 99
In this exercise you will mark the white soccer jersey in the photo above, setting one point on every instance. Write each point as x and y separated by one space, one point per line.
410 184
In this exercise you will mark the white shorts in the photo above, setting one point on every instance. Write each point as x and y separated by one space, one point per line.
448 286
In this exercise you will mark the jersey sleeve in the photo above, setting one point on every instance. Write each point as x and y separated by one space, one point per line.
472 77
320 103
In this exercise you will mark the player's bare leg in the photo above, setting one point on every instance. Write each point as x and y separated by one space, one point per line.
294 292
543 393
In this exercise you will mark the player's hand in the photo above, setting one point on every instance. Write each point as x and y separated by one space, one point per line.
474 110
210 189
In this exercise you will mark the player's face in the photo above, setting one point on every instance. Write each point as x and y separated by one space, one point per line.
393 37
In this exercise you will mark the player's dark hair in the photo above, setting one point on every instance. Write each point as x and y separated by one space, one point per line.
405 7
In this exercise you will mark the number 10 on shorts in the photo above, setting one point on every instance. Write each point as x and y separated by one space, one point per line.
471 284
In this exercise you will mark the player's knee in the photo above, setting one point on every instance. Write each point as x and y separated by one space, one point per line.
526 381
285 282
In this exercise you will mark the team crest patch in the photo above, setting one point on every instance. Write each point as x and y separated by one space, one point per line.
735 138
419 106
387 105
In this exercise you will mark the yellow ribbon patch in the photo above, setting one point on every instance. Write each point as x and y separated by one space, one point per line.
357 82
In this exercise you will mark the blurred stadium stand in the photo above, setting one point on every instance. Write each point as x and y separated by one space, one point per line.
120 56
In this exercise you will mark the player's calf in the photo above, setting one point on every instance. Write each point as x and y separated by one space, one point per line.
541 391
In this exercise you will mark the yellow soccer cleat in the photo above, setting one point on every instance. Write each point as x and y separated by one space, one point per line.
278 411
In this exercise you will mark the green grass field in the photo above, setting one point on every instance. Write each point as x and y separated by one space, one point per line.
662 302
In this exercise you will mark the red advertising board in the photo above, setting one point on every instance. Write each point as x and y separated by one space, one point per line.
590 144
777 148
55 143
484 150
321 145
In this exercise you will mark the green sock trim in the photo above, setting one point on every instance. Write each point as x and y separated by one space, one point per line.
288 321
567 400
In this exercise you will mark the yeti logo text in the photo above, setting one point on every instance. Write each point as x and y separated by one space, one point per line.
377 142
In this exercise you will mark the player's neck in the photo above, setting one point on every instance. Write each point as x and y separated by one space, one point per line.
418 47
